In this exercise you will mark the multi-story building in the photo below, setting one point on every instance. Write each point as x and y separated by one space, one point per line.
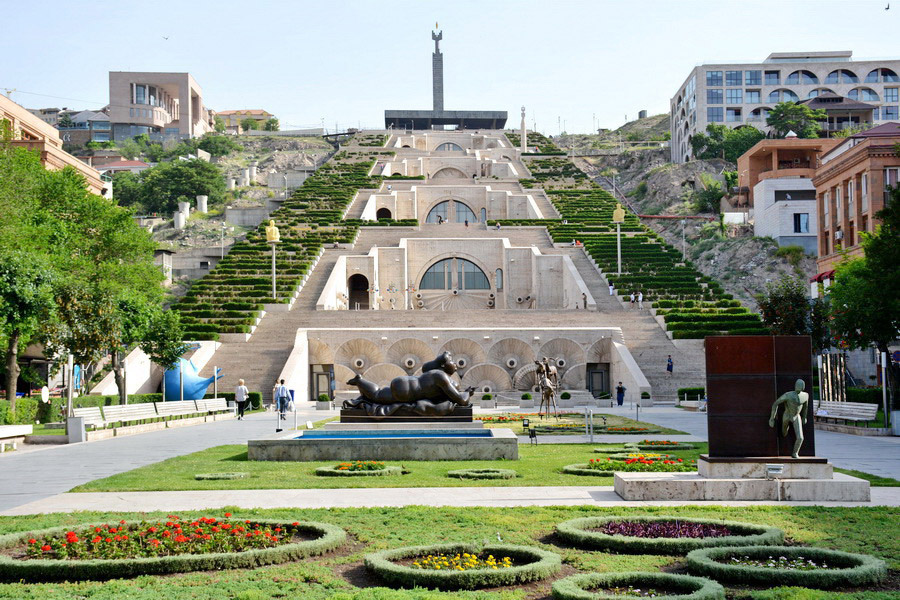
852 184
740 94
233 118
47 115
158 104
85 126
777 177
29 131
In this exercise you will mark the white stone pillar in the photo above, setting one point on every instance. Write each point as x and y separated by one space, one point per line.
230 183
184 208
245 177
179 220
201 203
253 166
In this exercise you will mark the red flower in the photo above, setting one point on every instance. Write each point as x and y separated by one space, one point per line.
108 540
32 541
152 529
97 539
180 538
45 548
295 523
154 542
122 522
227 515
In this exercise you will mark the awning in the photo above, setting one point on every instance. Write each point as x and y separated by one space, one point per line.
822 276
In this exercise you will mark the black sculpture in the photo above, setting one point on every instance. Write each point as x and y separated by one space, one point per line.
433 393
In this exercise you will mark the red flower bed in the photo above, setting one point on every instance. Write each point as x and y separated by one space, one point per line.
162 538
627 429
644 464
664 529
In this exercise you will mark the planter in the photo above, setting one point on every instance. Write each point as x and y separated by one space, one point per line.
328 538
579 532
323 405
680 587
482 474
530 564
844 569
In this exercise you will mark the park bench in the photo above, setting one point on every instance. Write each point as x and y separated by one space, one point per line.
176 408
11 435
213 405
92 416
846 411
129 413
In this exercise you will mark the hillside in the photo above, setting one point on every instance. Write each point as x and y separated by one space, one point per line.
655 128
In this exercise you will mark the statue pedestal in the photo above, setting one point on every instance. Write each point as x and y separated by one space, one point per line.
460 414
754 467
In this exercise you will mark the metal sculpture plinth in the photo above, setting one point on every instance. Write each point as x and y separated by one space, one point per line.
460 414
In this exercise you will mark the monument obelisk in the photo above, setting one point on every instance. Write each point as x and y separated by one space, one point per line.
437 71
523 142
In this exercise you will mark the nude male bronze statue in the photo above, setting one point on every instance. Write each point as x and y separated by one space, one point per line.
795 407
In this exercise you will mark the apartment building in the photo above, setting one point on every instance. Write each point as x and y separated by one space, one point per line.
740 94
852 184
158 104
30 131
233 118
85 126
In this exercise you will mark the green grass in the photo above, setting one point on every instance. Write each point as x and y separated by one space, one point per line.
44 430
574 423
873 530
537 466
874 480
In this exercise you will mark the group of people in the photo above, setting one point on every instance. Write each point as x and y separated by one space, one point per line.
634 298
280 393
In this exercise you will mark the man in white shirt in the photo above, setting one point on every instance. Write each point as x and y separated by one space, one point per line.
282 396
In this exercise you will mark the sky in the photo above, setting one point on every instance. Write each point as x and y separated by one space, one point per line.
574 64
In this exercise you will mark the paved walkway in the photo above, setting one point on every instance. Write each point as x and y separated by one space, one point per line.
374 497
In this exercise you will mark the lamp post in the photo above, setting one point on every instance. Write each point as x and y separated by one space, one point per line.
683 223
618 217
273 237
222 240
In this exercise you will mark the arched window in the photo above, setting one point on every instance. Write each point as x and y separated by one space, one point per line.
469 276
449 147
815 93
864 94
484 215
783 95
443 210
498 279
759 114
883 75
802 77
439 210
464 213
842 76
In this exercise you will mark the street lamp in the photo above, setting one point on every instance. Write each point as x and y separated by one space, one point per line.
683 223
618 217
273 237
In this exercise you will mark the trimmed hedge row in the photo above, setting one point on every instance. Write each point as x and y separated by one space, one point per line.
855 570
538 564
482 474
576 532
584 469
332 471
688 588
49 570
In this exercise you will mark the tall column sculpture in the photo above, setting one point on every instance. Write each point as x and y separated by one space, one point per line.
523 142
437 71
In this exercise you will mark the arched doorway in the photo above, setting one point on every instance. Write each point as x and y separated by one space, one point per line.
484 215
449 147
383 213
358 286
449 173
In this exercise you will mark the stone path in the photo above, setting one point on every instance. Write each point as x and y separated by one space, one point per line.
373 497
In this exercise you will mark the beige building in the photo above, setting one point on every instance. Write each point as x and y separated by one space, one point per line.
158 104
233 118
30 131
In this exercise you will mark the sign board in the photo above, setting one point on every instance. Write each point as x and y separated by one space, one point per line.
45 394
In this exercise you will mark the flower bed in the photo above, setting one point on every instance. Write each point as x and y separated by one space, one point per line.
482 474
662 445
461 561
527 564
174 545
831 568
623 464
219 476
359 468
663 535
624 429
609 586
588 470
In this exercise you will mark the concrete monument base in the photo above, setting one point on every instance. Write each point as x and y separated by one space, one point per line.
754 467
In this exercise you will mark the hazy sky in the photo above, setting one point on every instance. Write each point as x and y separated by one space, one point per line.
348 61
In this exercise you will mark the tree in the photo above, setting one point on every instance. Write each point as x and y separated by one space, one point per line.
130 149
219 124
708 198
249 123
163 184
65 120
218 145
738 141
799 118
787 310
721 141
127 189
271 124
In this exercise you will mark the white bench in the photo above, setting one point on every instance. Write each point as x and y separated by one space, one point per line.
213 405
129 413
11 435
91 415
846 411
176 408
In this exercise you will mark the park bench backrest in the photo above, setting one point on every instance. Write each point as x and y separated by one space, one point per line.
176 407
212 405
129 412
91 415
852 410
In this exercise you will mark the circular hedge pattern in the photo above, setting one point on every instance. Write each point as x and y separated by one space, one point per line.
333 471
530 564
328 537
578 533
218 476
482 474
854 570
584 469
664 448
627 448
578 587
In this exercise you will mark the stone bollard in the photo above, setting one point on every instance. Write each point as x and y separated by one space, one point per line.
184 207
245 177
178 217
230 183
75 430
253 166
201 203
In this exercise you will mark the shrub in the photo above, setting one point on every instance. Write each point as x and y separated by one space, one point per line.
692 392
565 396
578 533
482 474
530 564
852 570
526 396
584 469
337 471
865 395
684 587
328 538
323 398
486 397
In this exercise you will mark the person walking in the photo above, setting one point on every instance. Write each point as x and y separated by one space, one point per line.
620 394
241 395
498 225
467 222
669 366
632 299
283 396
612 290
640 300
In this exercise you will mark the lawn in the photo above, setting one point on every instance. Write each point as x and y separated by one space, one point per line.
570 423
340 575
537 466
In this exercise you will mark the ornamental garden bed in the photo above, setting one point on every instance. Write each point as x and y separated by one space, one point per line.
605 467
623 430
360 468
663 445
663 535
462 566
796 566
171 545
603 586
482 474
